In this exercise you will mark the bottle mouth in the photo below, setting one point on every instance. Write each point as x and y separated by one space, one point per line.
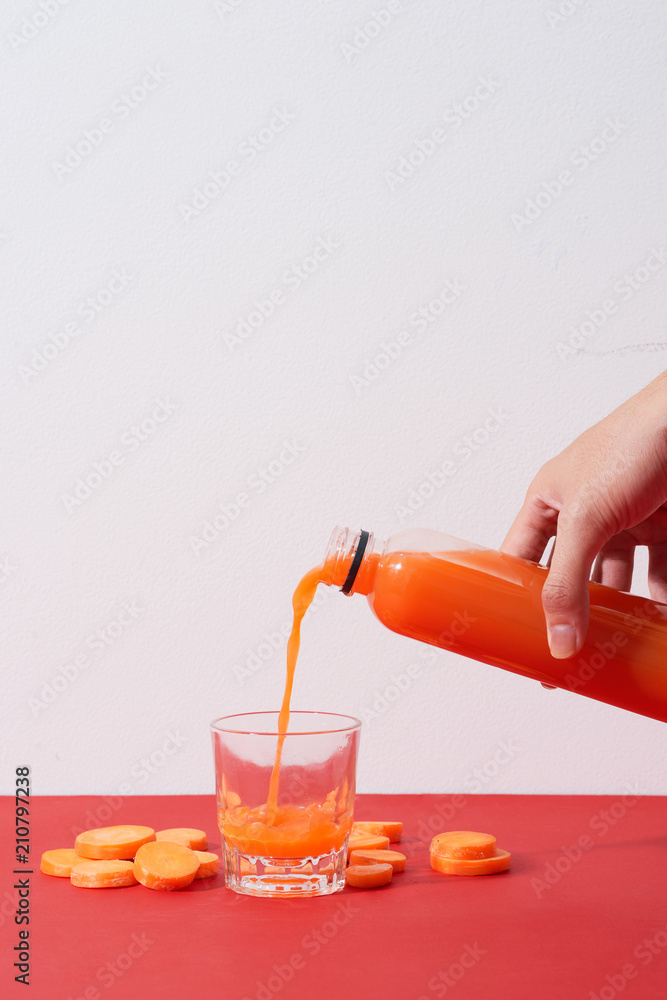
345 557
356 562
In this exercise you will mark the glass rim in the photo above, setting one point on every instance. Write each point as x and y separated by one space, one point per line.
217 728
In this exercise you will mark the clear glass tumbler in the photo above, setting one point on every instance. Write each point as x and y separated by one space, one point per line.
294 842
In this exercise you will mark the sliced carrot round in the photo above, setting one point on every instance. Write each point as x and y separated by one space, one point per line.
368 876
367 842
103 874
500 862
163 865
393 858
185 835
464 844
60 862
108 843
386 828
209 864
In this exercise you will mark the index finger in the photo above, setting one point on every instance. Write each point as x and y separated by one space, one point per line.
533 526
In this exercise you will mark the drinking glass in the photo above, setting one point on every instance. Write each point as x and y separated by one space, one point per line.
292 842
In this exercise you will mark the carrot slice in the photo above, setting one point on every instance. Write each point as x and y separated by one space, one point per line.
385 828
368 876
360 828
208 864
500 862
109 843
103 874
393 858
60 862
367 842
185 835
464 844
163 865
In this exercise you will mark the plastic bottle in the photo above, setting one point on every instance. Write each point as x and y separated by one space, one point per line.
487 605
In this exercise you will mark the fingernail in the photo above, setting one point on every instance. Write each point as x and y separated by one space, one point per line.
562 641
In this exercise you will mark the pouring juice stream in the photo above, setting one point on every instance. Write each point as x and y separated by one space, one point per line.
301 601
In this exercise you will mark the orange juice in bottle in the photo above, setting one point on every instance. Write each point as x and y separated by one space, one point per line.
487 605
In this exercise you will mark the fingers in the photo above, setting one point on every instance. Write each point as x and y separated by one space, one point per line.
613 567
657 572
534 525
565 593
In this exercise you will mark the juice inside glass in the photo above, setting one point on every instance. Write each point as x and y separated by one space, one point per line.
289 839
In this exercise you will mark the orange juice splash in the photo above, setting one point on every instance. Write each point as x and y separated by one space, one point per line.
290 830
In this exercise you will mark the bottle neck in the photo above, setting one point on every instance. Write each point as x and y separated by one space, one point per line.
351 560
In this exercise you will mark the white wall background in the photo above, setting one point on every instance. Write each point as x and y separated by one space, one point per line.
101 179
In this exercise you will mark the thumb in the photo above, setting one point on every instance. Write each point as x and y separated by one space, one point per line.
565 593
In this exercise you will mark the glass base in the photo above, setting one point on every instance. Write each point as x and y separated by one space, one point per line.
294 877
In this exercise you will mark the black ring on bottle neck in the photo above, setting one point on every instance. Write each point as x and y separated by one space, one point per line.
356 562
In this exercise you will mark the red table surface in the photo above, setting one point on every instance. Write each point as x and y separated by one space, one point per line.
566 921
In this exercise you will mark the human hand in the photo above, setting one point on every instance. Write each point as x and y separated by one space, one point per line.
602 496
